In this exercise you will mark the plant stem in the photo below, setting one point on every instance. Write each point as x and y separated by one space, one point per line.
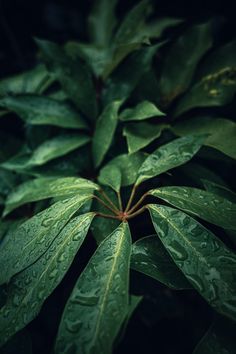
131 198
109 200
105 205
138 203
107 216
130 216
120 201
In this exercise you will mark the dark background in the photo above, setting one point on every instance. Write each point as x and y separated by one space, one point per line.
166 322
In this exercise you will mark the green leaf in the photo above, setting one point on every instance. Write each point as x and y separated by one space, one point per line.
33 81
98 304
29 289
73 75
48 150
205 261
156 28
30 240
182 59
221 132
41 110
151 258
168 156
143 110
207 206
128 164
216 85
219 190
104 131
123 81
139 135
102 21
47 187
110 176
219 339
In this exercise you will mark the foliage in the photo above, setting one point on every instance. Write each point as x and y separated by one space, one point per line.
110 130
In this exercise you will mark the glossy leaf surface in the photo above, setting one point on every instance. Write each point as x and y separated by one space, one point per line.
98 304
221 132
143 110
29 289
110 176
206 205
40 110
205 261
35 236
218 189
104 131
47 187
168 156
151 258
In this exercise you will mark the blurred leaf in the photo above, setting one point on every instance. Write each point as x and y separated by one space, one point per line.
143 110
47 187
98 304
168 156
156 28
182 59
41 110
151 258
102 21
205 261
104 131
35 235
221 132
206 205
73 75
139 135
37 282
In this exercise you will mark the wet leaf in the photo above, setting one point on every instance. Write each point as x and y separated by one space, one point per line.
104 131
139 135
217 81
151 258
143 110
73 74
47 187
219 339
168 156
40 110
35 236
220 190
48 150
206 205
98 304
110 176
221 132
29 289
182 60
205 261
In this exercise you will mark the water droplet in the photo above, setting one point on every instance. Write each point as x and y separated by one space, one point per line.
48 222
73 327
85 300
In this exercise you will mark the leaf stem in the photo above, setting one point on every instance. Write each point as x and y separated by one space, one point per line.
120 201
107 216
105 205
140 211
131 198
138 203
109 200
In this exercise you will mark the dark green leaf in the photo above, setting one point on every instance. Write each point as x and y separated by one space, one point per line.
219 190
110 176
156 28
47 187
104 131
35 236
139 135
41 110
73 75
208 206
143 110
151 258
182 59
98 304
29 289
205 261
169 156
221 132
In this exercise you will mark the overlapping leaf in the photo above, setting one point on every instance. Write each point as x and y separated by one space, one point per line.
143 110
29 289
98 304
206 262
